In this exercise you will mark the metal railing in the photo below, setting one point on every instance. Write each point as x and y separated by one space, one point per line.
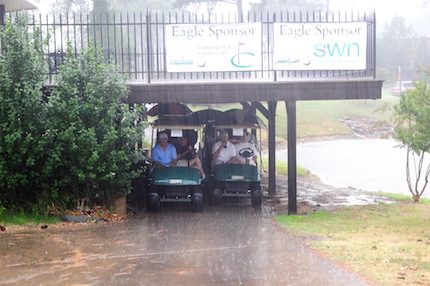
135 42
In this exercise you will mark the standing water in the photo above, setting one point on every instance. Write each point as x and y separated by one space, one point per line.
376 165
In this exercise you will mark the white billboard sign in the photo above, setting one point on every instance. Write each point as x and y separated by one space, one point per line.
320 46
213 47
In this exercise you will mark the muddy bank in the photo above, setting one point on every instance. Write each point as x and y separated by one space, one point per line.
314 195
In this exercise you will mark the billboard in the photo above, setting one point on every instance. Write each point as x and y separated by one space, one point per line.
213 47
320 46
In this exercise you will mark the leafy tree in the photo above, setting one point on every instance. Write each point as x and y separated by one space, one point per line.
289 5
412 130
67 6
394 49
106 6
95 132
25 163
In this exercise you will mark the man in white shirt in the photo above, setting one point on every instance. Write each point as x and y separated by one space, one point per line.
223 151
246 146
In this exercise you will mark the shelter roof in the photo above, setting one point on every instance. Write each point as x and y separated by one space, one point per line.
234 92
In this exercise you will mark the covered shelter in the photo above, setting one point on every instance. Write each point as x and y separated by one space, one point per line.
269 58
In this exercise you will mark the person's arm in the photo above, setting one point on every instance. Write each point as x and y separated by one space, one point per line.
232 153
254 149
217 149
173 155
187 151
155 156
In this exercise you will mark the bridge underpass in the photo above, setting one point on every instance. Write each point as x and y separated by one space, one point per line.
164 60
252 96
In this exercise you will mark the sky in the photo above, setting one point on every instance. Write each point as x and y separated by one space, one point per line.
414 12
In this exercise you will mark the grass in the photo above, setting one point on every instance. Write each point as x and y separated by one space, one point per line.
321 118
282 168
25 219
388 244
402 197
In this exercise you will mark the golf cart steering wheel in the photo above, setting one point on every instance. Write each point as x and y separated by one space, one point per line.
246 152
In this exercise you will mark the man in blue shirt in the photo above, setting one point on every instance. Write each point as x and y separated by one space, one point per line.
164 154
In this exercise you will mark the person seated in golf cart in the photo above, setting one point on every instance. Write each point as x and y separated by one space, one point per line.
187 156
164 153
223 151
246 151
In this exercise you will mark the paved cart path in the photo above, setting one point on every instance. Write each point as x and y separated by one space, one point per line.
229 245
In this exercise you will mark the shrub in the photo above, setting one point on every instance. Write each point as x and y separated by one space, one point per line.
24 159
412 130
94 132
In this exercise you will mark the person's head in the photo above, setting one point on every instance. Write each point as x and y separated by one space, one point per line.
224 136
163 138
183 141
244 137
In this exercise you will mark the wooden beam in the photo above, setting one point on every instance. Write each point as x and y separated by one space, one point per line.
253 110
272 147
292 157
250 108
228 92
246 105
262 109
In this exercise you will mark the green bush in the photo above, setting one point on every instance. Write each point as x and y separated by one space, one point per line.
95 133
24 162
78 144
2 209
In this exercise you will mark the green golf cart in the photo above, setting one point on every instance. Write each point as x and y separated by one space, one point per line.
239 179
175 183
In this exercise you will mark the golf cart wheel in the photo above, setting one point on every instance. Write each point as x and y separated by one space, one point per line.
216 196
197 202
256 198
153 202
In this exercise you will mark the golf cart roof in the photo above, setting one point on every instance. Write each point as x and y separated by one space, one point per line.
175 122
168 109
238 118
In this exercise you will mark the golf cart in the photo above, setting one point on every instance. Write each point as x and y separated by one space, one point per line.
175 183
242 178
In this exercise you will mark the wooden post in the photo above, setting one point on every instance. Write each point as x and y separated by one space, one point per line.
253 110
292 157
272 147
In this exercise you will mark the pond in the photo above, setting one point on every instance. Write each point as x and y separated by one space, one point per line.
376 165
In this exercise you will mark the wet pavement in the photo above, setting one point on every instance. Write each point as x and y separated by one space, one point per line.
229 245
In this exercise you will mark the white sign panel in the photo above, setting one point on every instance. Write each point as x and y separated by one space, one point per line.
176 133
213 47
237 131
320 46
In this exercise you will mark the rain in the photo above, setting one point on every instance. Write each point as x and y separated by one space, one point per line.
203 234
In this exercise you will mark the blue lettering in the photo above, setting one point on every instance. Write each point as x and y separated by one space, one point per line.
334 49
356 46
337 50
319 50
